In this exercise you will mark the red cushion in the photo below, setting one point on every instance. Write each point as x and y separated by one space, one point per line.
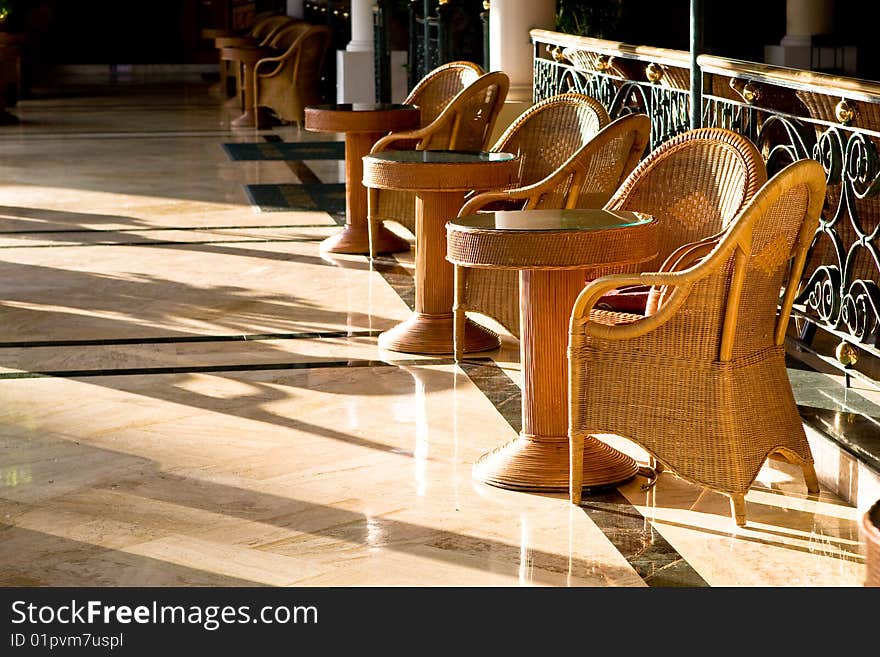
629 299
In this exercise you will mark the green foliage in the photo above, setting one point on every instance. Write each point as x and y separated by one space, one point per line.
594 18
8 16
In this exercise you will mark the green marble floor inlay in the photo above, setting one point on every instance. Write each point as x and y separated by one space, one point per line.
326 197
309 150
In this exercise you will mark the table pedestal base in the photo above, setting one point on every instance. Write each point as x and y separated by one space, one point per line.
533 463
355 239
432 334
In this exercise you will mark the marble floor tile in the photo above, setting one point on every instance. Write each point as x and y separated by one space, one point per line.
192 394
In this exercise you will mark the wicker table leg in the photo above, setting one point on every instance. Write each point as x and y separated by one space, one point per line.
355 236
244 59
538 459
430 328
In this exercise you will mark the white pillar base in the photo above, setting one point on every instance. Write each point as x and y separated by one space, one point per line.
840 60
359 46
791 56
355 77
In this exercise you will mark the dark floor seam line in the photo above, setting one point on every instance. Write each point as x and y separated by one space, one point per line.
162 243
158 229
620 537
252 337
203 369
66 136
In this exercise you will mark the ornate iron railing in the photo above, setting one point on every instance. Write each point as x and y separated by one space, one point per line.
790 115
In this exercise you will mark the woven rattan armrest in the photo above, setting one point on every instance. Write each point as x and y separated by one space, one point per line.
590 295
679 282
526 193
278 60
396 141
691 251
483 199
410 137
423 135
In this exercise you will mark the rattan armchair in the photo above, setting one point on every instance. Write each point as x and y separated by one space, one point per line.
288 82
464 122
701 384
259 35
434 91
693 185
571 157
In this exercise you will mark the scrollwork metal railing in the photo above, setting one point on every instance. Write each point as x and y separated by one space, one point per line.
790 115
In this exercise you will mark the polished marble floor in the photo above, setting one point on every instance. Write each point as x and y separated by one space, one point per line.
192 394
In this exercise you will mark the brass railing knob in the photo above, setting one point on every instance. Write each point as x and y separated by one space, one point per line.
847 355
557 54
844 112
751 92
654 72
603 63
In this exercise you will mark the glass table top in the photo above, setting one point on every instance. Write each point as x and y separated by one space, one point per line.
556 220
362 107
442 157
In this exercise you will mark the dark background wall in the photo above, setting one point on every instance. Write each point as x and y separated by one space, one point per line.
738 30
168 31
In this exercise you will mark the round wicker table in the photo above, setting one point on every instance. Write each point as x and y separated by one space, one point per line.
555 251
363 124
440 180
223 38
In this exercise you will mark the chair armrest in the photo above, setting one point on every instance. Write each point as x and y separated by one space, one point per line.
526 193
596 289
690 253
235 42
580 316
482 199
680 282
411 138
266 62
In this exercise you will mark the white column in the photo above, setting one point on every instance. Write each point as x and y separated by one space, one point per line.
803 19
361 26
510 47
355 66
511 50
295 8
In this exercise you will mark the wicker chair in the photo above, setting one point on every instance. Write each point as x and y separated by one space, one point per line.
464 122
287 83
701 384
571 157
693 185
434 91
260 34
